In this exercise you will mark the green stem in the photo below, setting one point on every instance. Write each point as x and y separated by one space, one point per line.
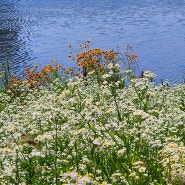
56 152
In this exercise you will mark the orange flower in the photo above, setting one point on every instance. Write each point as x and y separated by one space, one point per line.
67 72
77 74
54 60
36 67
59 66
97 51
134 55
88 41
102 67
27 71
71 69
130 60
128 47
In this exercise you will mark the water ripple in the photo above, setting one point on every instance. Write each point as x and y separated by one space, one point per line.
37 31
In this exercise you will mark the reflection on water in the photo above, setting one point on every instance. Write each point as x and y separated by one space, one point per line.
12 47
37 31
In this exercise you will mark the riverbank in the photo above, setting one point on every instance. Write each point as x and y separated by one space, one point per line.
94 124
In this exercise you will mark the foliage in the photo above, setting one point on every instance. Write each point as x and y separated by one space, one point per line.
93 128
5 76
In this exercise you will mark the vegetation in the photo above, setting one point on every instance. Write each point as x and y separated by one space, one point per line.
93 124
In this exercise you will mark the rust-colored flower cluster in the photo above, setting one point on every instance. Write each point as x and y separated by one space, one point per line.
95 59
131 56
35 78
98 61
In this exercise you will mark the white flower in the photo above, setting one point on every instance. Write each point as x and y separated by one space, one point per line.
117 66
110 65
121 151
97 141
105 76
72 174
36 153
142 169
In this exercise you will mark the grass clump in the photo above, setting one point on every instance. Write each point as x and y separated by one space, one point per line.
102 126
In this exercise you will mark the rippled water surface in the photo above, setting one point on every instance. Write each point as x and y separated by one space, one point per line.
37 31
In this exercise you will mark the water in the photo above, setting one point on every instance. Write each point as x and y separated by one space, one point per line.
38 31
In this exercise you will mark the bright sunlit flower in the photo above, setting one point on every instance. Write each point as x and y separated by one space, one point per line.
142 169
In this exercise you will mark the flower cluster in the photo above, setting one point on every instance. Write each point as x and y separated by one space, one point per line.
86 132
101 62
174 162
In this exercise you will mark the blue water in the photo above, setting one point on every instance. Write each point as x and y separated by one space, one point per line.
38 31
